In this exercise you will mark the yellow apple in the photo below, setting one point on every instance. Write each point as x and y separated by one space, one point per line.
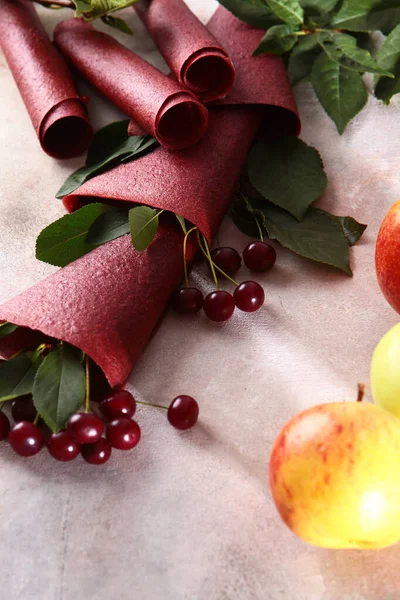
385 372
335 475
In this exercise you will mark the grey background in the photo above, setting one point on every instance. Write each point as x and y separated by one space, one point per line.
189 516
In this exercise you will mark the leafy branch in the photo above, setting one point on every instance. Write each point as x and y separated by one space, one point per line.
90 10
274 201
329 43
278 200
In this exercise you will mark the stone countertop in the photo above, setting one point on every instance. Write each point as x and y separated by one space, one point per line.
188 516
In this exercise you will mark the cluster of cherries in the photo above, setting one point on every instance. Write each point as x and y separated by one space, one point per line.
95 435
85 432
248 296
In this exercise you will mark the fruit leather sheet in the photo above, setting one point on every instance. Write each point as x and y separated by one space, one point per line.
44 81
193 54
109 301
159 104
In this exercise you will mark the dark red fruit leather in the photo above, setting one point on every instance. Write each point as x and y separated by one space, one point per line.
193 54
44 81
160 105
109 301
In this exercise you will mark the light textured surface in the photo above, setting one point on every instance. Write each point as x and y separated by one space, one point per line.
189 516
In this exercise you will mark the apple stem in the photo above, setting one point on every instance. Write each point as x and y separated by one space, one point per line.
361 392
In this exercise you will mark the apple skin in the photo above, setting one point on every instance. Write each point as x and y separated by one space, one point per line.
387 256
385 372
335 477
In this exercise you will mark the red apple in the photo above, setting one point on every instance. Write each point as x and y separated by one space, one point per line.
387 256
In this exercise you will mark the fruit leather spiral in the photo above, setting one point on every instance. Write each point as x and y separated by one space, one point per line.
109 301
193 54
44 81
160 105
198 183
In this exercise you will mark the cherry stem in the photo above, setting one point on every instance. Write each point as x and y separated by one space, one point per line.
41 348
87 386
212 264
225 274
152 404
36 421
184 254
207 254
254 216
16 354
361 392
1 406
55 4
259 228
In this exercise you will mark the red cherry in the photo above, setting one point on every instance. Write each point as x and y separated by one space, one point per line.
187 301
123 433
26 439
183 412
259 256
85 428
62 446
23 409
228 259
98 453
219 306
249 296
4 426
120 404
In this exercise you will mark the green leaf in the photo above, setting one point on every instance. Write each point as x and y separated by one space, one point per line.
59 387
342 48
364 40
76 179
109 226
302 58
63 241
247 219
106 140
117 23
386 88
98 8
182 223
82 7
277 40
368 15
320 6
146 142
17 375
388 58
143 222
317 237
7 328
288 11
341 92
324 246
253 12
288 173
131 147
351 228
